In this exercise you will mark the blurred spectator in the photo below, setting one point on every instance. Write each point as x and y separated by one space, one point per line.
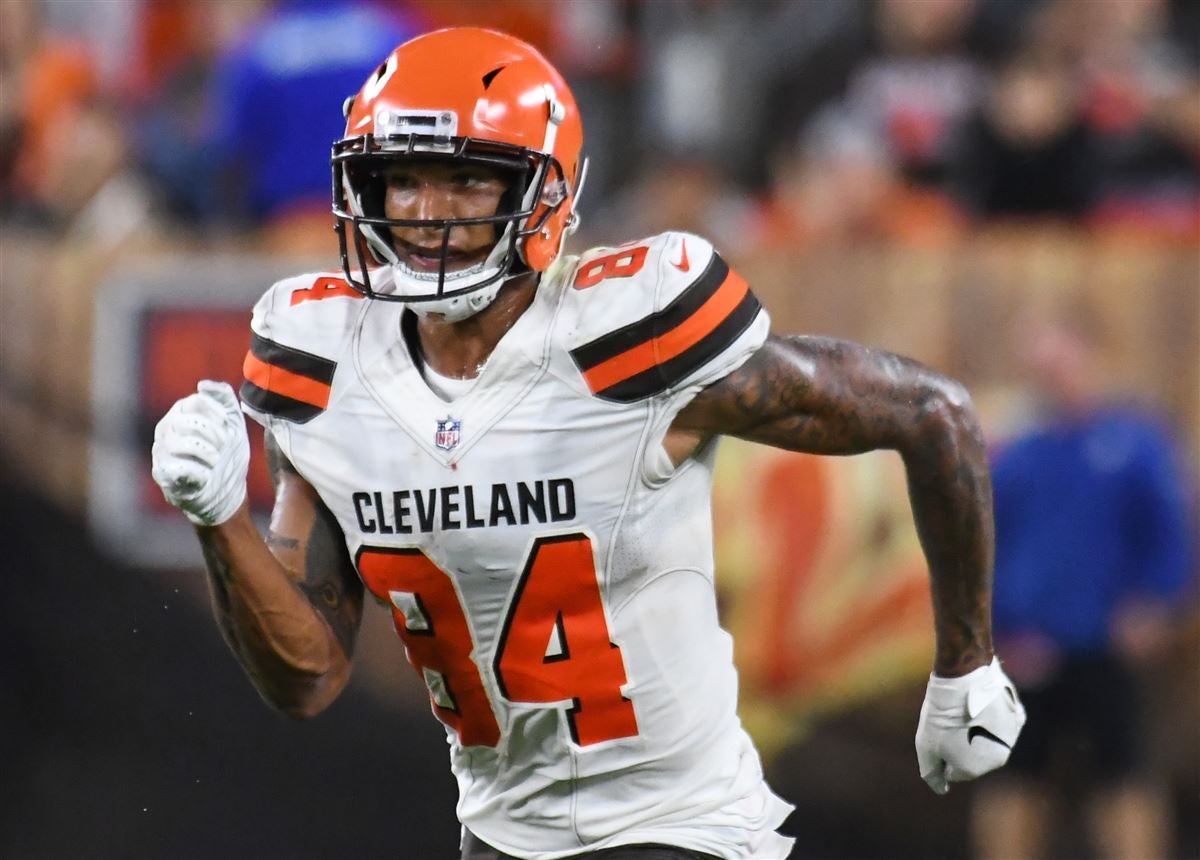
811 50
171 90
107 29
272 125
169 34
695 76
1093 553
689 193
1027 151
1140 94
921 84
64 136
593 45
840 185
728 81
1143 96
50 83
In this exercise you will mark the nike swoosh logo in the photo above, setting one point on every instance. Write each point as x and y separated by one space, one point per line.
683 265
980 731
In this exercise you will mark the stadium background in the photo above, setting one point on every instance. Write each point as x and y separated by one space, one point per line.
162 160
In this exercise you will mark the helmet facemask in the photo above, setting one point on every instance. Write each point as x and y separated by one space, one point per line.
370 262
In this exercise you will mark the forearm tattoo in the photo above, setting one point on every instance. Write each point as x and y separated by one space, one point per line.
827 396
277 540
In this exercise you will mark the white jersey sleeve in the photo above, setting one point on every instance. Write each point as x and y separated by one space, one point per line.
661 318
300 333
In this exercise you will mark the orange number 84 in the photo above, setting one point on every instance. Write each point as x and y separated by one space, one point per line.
557 596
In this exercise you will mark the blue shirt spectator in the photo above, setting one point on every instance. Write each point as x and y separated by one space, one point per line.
1091 512
276 97
1094 548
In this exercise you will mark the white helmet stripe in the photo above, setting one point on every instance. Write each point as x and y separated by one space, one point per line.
557 114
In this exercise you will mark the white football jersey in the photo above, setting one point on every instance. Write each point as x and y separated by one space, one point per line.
549 570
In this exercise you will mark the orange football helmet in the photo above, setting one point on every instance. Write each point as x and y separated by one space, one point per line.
466 94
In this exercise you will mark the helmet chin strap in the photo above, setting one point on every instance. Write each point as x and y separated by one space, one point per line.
465 306
459 308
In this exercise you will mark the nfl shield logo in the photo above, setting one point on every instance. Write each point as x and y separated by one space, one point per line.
449 432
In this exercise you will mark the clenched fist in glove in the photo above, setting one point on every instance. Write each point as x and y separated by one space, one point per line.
201 454
968 726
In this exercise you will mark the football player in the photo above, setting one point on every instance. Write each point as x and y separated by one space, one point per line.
512 449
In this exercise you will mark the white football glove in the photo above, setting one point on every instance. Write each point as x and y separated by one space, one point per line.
201 454
968 726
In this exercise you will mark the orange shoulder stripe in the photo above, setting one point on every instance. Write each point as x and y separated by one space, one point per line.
674 342
272 378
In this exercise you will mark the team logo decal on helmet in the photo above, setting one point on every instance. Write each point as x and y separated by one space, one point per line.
470 96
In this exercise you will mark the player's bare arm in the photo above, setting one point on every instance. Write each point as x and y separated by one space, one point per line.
827 396
289 607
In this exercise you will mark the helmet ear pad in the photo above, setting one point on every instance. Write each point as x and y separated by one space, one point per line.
542 246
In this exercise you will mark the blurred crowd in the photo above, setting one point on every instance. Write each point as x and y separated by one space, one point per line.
762 124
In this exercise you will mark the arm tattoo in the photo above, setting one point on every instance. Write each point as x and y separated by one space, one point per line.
280 541
826 396
327 577
820 396
332 586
